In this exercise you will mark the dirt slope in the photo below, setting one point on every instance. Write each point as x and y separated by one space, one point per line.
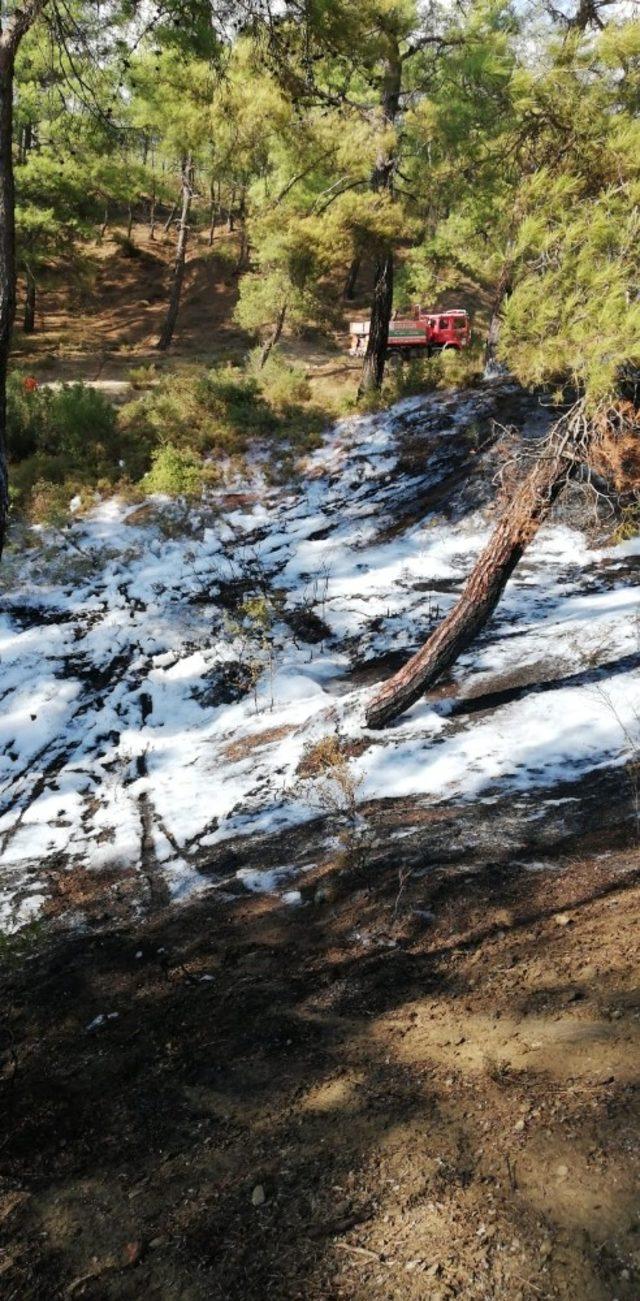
434 1089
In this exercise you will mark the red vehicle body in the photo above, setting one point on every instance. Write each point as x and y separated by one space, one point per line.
424 330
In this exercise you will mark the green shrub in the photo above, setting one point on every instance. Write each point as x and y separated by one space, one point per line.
26 417
282 383
49 503
175 472
75 422
142 377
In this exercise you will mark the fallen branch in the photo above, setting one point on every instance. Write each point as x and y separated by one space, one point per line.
578 438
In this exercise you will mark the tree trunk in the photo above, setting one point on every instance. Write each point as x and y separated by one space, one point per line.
130 222
378 340
26 141
516 529
175 288
29 321
274 337
7 262
213 214
382 179
230 212
12 29
243 251
349 291
105 223
169 220
152 216
503 287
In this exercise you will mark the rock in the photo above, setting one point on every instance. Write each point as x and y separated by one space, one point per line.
519 1126
158 1242
546 1247
562 919
258 1196
132 1253
562 1171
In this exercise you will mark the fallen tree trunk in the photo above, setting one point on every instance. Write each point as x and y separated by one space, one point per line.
516 529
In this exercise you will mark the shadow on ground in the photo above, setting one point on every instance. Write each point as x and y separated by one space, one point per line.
411 1086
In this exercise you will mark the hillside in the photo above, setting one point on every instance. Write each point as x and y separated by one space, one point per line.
319 650
379 978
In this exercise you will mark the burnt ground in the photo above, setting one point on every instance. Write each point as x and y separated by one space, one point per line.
421 1083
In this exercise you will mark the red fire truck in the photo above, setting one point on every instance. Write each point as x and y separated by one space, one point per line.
423 330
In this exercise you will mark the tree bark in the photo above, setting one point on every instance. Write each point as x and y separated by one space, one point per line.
7 262
167 224
29 320
274 337
105 222
378 340
129 222
152 216
243 251
12 30
516 529
351 281
213 214
175 288
503 288
382 179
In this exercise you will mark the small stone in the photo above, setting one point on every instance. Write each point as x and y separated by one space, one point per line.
519 1126
624 1273
562 919
546 1247
157 1242
562 1171
258 1196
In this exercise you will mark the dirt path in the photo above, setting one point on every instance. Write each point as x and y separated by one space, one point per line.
418 1089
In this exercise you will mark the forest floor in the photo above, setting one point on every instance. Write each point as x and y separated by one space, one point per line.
107 322
241 1100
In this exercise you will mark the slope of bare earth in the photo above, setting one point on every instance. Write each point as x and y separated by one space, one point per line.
403 1090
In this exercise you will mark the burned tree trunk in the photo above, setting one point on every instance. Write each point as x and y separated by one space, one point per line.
175 288
349 291
378 339
382 179
517 527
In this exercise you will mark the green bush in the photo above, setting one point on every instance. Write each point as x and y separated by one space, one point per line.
67 438
281 382
74 422
175 472
142 377
221 410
